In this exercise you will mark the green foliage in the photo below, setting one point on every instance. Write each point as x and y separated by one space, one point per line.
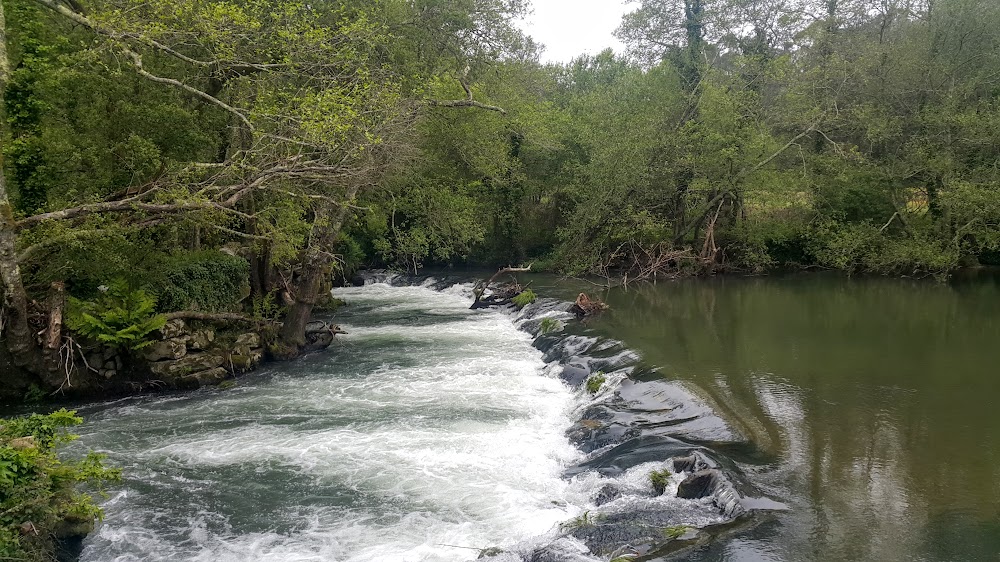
37 486
595 382
210 281
524 298
675 532
659 479
549 325
119 318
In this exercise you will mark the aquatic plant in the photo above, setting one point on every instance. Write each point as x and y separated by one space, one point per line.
659 479
524 298
675 532
550 325
595 382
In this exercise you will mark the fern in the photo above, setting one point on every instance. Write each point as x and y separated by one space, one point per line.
120 318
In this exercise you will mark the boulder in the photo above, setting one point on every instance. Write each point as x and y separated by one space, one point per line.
167 349
701 484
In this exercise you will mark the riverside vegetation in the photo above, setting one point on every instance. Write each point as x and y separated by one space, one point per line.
220 163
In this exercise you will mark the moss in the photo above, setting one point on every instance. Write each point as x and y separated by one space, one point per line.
595 382
659 479
524 298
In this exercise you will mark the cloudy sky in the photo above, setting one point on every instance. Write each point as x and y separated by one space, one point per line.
573 27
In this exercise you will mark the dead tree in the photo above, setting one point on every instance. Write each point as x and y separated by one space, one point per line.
501 295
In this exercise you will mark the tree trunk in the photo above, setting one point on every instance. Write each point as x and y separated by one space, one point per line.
21 342
315 264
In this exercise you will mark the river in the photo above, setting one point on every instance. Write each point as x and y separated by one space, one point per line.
864 406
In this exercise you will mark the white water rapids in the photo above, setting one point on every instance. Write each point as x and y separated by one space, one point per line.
428 428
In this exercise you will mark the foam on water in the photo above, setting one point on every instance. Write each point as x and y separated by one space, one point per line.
428 427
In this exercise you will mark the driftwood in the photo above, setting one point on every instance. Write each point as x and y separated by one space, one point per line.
585 306
501 295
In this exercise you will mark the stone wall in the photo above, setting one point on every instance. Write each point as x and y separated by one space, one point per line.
189 356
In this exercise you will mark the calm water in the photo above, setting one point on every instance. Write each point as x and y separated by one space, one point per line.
871 407
867 406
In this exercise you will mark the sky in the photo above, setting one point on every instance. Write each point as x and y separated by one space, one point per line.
569 28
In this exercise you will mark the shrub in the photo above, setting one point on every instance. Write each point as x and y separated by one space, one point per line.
39 492
120 318
210 281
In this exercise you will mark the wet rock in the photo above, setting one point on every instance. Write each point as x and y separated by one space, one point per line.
166 349
607 494
574 374
701 484
489 552
207 377
688 464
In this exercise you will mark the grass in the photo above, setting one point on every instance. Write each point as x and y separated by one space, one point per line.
659 479
524 298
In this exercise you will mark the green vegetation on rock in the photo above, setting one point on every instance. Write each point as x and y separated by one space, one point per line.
595 382
659 479
43 497
524 298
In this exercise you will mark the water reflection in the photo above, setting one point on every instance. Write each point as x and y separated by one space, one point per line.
869 405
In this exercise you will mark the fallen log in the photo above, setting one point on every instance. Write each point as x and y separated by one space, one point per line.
502 295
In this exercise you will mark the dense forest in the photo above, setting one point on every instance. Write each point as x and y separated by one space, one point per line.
226 158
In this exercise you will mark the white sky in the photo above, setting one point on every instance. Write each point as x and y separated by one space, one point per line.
569 28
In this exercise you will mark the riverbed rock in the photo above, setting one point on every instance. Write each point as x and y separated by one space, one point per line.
700 484
166 349
607 494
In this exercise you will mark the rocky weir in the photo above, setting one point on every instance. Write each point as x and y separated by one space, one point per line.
659 485
430 433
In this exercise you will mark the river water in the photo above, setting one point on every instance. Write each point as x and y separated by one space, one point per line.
867 407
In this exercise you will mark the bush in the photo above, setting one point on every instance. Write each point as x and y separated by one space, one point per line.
209 281
119 318
39 492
